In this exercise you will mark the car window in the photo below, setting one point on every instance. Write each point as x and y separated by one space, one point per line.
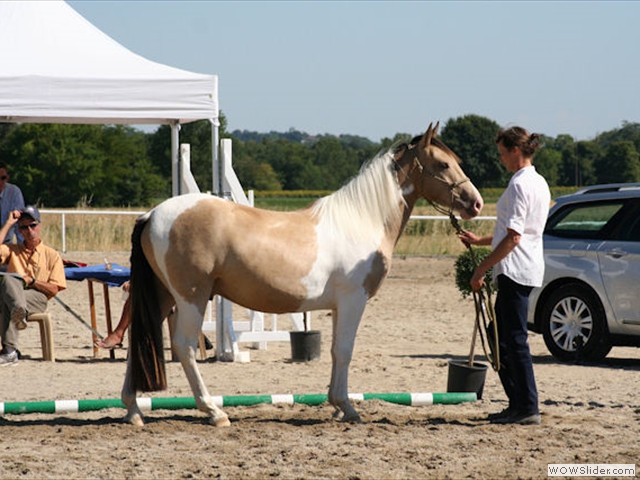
633 234
587 220
627 227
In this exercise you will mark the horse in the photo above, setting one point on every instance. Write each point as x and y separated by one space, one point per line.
332 255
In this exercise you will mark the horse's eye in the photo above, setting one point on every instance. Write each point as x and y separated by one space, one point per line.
444 165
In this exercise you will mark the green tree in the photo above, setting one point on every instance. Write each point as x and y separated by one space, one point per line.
546 162
472 137
291 161
56 165
252 173
619 164
265 178
66 165
576 167
129 178
559 143
387 143
587 153
336 163
628 132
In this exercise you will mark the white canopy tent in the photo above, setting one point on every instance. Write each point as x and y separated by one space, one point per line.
56 67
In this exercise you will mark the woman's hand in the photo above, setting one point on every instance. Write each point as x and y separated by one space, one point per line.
469 238
477 280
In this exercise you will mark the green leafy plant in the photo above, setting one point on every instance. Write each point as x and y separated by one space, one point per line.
465 267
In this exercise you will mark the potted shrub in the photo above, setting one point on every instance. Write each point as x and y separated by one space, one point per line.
468 375
465 266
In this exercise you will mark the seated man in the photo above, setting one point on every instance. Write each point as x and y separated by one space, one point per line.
38 275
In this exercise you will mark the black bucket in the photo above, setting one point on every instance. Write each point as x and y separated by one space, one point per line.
305 346
466 378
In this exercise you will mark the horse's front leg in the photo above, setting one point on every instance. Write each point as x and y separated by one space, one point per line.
346 318
188 323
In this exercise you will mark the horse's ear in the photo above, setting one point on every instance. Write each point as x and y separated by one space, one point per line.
429 135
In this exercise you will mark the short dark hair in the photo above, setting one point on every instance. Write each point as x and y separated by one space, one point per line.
513 137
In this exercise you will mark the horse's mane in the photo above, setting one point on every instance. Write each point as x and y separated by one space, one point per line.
434 141
367 203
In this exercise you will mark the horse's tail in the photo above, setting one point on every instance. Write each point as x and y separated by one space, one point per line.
147 365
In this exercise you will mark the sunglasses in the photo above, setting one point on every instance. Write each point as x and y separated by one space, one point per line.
31 226
4 177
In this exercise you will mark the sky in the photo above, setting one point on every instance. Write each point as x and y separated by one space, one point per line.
377 68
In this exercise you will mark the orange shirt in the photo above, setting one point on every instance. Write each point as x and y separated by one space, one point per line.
44 264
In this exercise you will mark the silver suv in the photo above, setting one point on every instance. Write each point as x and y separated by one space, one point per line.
590 299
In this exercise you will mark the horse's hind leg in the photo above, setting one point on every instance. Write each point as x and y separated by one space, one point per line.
188 323
128 395
346 319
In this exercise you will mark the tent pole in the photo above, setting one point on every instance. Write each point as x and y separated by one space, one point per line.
175 158
216 183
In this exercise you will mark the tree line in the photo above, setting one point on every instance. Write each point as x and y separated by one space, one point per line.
113 165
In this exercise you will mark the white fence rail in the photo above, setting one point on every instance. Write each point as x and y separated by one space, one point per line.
63 214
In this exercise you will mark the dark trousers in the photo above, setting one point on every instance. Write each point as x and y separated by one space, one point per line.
516 365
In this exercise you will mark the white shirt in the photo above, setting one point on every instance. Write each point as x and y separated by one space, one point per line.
523 207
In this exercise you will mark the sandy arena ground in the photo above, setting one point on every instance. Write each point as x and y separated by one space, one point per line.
410 331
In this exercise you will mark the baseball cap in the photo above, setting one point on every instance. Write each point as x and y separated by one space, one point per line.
30 212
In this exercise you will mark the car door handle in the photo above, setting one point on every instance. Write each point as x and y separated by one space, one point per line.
616 253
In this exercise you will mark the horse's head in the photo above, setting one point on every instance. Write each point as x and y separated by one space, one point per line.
432 171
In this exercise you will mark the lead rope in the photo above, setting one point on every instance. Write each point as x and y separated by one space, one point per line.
485 321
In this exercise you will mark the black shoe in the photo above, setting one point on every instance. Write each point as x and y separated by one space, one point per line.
519 419
503 414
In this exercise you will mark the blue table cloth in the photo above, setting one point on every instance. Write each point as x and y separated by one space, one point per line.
114 277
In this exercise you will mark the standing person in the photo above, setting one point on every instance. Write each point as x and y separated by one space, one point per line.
40 276
10 199
518 266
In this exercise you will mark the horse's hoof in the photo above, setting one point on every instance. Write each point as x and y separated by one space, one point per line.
352 419
220 422
135 420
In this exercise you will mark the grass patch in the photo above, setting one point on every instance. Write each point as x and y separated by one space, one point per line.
89 232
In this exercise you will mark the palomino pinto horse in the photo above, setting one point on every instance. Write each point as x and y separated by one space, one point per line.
332 255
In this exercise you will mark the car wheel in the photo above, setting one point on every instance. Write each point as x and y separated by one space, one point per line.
573 325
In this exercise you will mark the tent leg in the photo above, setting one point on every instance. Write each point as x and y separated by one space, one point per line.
216 183
175 159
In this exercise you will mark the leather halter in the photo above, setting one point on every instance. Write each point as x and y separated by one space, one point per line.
451 186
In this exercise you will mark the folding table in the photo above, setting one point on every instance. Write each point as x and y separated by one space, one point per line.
111 275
